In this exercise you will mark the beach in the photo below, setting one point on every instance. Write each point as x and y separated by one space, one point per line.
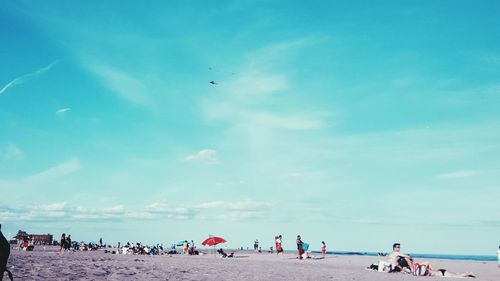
48 264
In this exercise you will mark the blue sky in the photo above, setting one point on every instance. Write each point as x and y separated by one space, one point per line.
353 122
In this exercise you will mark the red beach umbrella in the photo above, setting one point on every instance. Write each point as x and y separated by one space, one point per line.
212 241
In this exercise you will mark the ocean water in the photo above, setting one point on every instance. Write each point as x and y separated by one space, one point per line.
426 256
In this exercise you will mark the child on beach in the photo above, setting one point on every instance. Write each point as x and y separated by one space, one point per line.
323 248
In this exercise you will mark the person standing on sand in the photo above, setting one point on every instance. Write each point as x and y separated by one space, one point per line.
498 256
279 247
300 249
185 248
63 243
4 255
68 243
192 250
323 248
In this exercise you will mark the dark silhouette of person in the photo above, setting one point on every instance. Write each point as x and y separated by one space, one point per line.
4 255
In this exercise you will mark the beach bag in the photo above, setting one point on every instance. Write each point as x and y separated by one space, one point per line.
420 269
305 246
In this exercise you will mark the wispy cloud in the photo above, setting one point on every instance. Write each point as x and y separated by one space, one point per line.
22 79
12 152
54 172
62 111
48 175
248 100
204 156
127 86
458 174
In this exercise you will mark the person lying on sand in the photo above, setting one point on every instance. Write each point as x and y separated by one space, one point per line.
425 269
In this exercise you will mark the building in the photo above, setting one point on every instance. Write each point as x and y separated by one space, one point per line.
36 239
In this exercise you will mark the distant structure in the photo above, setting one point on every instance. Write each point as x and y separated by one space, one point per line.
36 239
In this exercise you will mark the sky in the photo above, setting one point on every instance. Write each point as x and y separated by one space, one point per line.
357 123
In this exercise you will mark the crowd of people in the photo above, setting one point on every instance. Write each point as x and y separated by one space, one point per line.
396 261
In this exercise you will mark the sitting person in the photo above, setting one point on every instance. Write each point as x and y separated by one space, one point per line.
224 255
221 252
399 261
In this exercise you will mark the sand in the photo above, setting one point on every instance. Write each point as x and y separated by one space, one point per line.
48 264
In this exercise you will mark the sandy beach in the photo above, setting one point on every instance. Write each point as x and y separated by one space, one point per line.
48 264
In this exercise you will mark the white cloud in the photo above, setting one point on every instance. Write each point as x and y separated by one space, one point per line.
22 79
61 211
205 156
12 152
169 211
51 207
61 111
239 205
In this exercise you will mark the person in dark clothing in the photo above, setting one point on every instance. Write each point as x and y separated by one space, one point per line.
300 247
4 255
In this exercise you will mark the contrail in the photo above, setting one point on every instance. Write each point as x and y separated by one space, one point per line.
26 77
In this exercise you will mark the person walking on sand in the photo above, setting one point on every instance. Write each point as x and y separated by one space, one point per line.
300 248
63 243
279 247
323 248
